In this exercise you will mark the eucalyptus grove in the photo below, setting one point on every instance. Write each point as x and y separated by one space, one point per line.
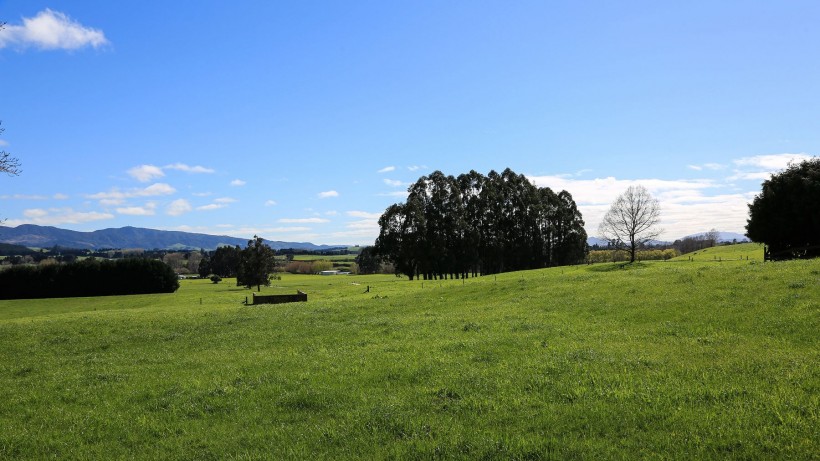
475 224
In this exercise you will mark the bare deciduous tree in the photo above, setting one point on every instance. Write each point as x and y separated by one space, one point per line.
631 220
8 164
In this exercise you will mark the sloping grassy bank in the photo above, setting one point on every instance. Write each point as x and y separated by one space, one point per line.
658 360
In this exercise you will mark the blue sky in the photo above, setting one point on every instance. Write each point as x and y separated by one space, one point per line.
303 121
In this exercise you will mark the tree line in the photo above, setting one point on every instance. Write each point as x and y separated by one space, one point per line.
475 224
88 278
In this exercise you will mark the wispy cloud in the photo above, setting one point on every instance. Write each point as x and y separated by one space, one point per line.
238 183
417 167
217 204
387 169
761 167
116 196
394 182
328 194
270 203
707 166
772 162
147 210
145 173
189 169
23 197
364 214
398 193
178 207
52 30
303 220
210 207
58 216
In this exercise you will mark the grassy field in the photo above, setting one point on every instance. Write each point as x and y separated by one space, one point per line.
659 360
741 251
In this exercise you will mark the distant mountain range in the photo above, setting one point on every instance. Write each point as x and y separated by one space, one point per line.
31 235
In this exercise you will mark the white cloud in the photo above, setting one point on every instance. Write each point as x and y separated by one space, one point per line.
178 207
238 182
23 197
51 30
3 143
398 193
394 182
364 214
59 196
417 167
145 173
688 206
189 169
760 167
58 216
387 169
328 194
707 166
212 206
116 196
147 210
772 163
303 220
225 200
270 203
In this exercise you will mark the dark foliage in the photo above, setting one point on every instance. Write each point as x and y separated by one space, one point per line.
257 262
786 214
368 260
88 278
224 262
476 224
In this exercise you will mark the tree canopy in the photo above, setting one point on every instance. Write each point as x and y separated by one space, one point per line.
257 264
786 214
476 224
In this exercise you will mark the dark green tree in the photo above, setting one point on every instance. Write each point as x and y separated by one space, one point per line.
257 264
225 261
204 265
786 214
368 260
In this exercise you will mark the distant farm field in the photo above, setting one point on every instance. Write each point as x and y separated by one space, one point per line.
661 360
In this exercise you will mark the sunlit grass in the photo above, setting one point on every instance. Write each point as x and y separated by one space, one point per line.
657 360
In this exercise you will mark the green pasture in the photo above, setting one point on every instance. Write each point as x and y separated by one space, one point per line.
656 360
740 251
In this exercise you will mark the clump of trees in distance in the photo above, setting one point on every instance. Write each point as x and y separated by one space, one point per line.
88 278
785 216
476 224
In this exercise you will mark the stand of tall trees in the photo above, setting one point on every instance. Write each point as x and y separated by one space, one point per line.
475 224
